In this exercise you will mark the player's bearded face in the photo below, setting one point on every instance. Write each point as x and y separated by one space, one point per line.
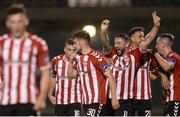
17 24
119 45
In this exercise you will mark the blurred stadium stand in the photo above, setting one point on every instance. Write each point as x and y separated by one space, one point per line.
56 22
91 3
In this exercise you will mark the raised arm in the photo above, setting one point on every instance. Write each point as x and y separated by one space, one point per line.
104 36
151 35
164 64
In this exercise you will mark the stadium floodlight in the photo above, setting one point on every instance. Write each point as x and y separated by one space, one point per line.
91 29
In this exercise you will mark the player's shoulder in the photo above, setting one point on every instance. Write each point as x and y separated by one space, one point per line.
57 58
96 56
4 37
37 39
174 55
95 53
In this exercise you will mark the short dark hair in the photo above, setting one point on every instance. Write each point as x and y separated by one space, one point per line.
82 35
135 29
15 9
168 36
70 42
123 36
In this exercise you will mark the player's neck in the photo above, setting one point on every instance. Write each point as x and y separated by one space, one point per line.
86 49
20 36
133 46
66 58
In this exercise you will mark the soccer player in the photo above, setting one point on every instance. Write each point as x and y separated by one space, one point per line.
21 53
170 62
67 98
138 43
93 70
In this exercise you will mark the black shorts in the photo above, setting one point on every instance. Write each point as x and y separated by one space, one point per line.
68 110
124 109
143 107
172 108
93 109
17 110
125 106
107 109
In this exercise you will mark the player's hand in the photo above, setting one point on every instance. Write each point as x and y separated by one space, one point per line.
104 25
40 104
165 82
156 19
115 103
52 99
1 86
110 61
72 56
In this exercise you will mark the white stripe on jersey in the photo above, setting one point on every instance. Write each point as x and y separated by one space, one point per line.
87 81
133 61
95 82
171 87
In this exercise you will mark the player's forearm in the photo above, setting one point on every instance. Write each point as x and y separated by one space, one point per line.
164 65
152 76
105 40
44 84
112 84
51 86
149 38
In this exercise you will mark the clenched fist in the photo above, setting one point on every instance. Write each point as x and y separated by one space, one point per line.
104 25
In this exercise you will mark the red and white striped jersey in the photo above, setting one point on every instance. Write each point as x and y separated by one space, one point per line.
142 82
91 68
124 70
67 90
174 89
19 61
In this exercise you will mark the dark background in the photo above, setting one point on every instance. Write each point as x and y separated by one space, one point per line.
57 20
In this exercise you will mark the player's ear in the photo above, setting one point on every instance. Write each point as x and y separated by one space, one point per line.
27 21
127 44
64 49
7 23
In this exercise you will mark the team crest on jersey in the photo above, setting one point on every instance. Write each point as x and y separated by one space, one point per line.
106 67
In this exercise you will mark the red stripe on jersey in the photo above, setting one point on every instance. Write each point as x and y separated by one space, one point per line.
62 81
19 72
69 90
129 78
2 97
142 84
90 78
10 70
122 81
83 80
29 76
149 85
76 92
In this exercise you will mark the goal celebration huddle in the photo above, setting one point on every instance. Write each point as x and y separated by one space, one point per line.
83 81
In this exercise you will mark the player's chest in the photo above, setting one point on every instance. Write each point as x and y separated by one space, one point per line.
18 51
121 64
